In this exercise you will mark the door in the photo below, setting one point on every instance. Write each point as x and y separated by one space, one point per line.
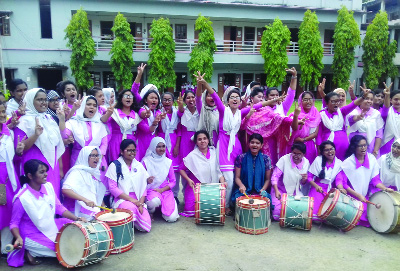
221 79
48 79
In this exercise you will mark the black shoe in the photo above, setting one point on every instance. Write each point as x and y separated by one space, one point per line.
177 200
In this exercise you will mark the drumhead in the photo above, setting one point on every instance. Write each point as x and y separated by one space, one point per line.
381 219
256 201
113 217
72 244
326 205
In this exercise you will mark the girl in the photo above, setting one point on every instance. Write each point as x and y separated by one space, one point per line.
159 192
309 130
391 114
332 126
9 183
341 92
83 189
252 170
43 139
53 100
129 188
17 88
109 97
323 174
366 121
289 174
98 94
123 122
32 223
199 166
86 128
390 167
68 91
362 174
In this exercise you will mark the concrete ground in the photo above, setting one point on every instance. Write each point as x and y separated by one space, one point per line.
186 246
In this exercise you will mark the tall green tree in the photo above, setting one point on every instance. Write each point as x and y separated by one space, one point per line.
121 52
378 53
83 48
310 50
162 55
346 38
202 55
275 39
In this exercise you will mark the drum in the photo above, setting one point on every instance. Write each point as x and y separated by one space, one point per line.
340 210
296 212
252 218
80 243
121 225
210 204
386 219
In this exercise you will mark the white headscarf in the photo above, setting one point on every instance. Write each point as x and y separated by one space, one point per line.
82 162
226 93
107 96
147 88
156 165
393 163
77 124
49 142
209 118
169 127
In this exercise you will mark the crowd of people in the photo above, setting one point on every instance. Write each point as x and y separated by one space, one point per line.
63 155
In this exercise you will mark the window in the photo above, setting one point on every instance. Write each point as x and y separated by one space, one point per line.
133 28
45 19
5 25
294 34
249 35
105 30
181 32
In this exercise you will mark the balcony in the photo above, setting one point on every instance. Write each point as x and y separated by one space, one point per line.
223 46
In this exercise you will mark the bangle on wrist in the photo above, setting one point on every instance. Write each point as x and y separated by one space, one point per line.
294 77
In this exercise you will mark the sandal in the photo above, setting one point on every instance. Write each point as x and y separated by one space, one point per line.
31 260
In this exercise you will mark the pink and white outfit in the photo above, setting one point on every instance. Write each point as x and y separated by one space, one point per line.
209 118
133 183
12 106
392 128
33 214
333 174
283 108
188 126
49 146
371 126
10 179
161 168
86 182
332 128
287 177
362 178
200 169
390 170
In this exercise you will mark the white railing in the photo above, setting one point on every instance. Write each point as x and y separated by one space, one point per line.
223 46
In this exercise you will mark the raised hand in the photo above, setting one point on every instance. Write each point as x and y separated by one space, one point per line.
386 91
140 68
297 109
66 109
200 77
22 109
180 100
251 112
292 71
321 87
365 89
20 145
281 98
60 114
110 110
38 128
14 121
352 85
302 122
77 104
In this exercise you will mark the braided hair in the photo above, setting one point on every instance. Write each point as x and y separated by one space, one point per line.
321 174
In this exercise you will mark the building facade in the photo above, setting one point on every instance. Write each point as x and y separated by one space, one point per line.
34 48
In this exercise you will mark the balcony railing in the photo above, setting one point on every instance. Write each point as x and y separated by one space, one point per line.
223 46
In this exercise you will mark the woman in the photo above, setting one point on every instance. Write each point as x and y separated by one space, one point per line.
136 83
86 128
332 126
109 97
309 130
390 167
123 122
98 94
43 139
83 189
199 166
289 175
252 170
367 121
169 131
391 114
361 174
68 91
151 110
341 92
32 223
282 108
53 100
159 192
323 174
9 184
17 88
129 188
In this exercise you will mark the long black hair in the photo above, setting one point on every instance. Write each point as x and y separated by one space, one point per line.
355 140
144 100
62 85
120 105
321 174
31 166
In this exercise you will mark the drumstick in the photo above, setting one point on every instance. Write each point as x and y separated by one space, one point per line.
251 201
10 248
377 205
331 195
113 211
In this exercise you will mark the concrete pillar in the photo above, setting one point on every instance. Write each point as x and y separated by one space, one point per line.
391 37
364 16
396 83
383 6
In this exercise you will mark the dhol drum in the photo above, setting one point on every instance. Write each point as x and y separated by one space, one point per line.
80 243
210 204
386 219
296 212
340 210
121 225
252 218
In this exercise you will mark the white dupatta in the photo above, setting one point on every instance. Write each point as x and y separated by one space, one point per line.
169 126
368 125
392 128
126 125
189 120
330 173
231 126
334 124
7 154
12 106
291 176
